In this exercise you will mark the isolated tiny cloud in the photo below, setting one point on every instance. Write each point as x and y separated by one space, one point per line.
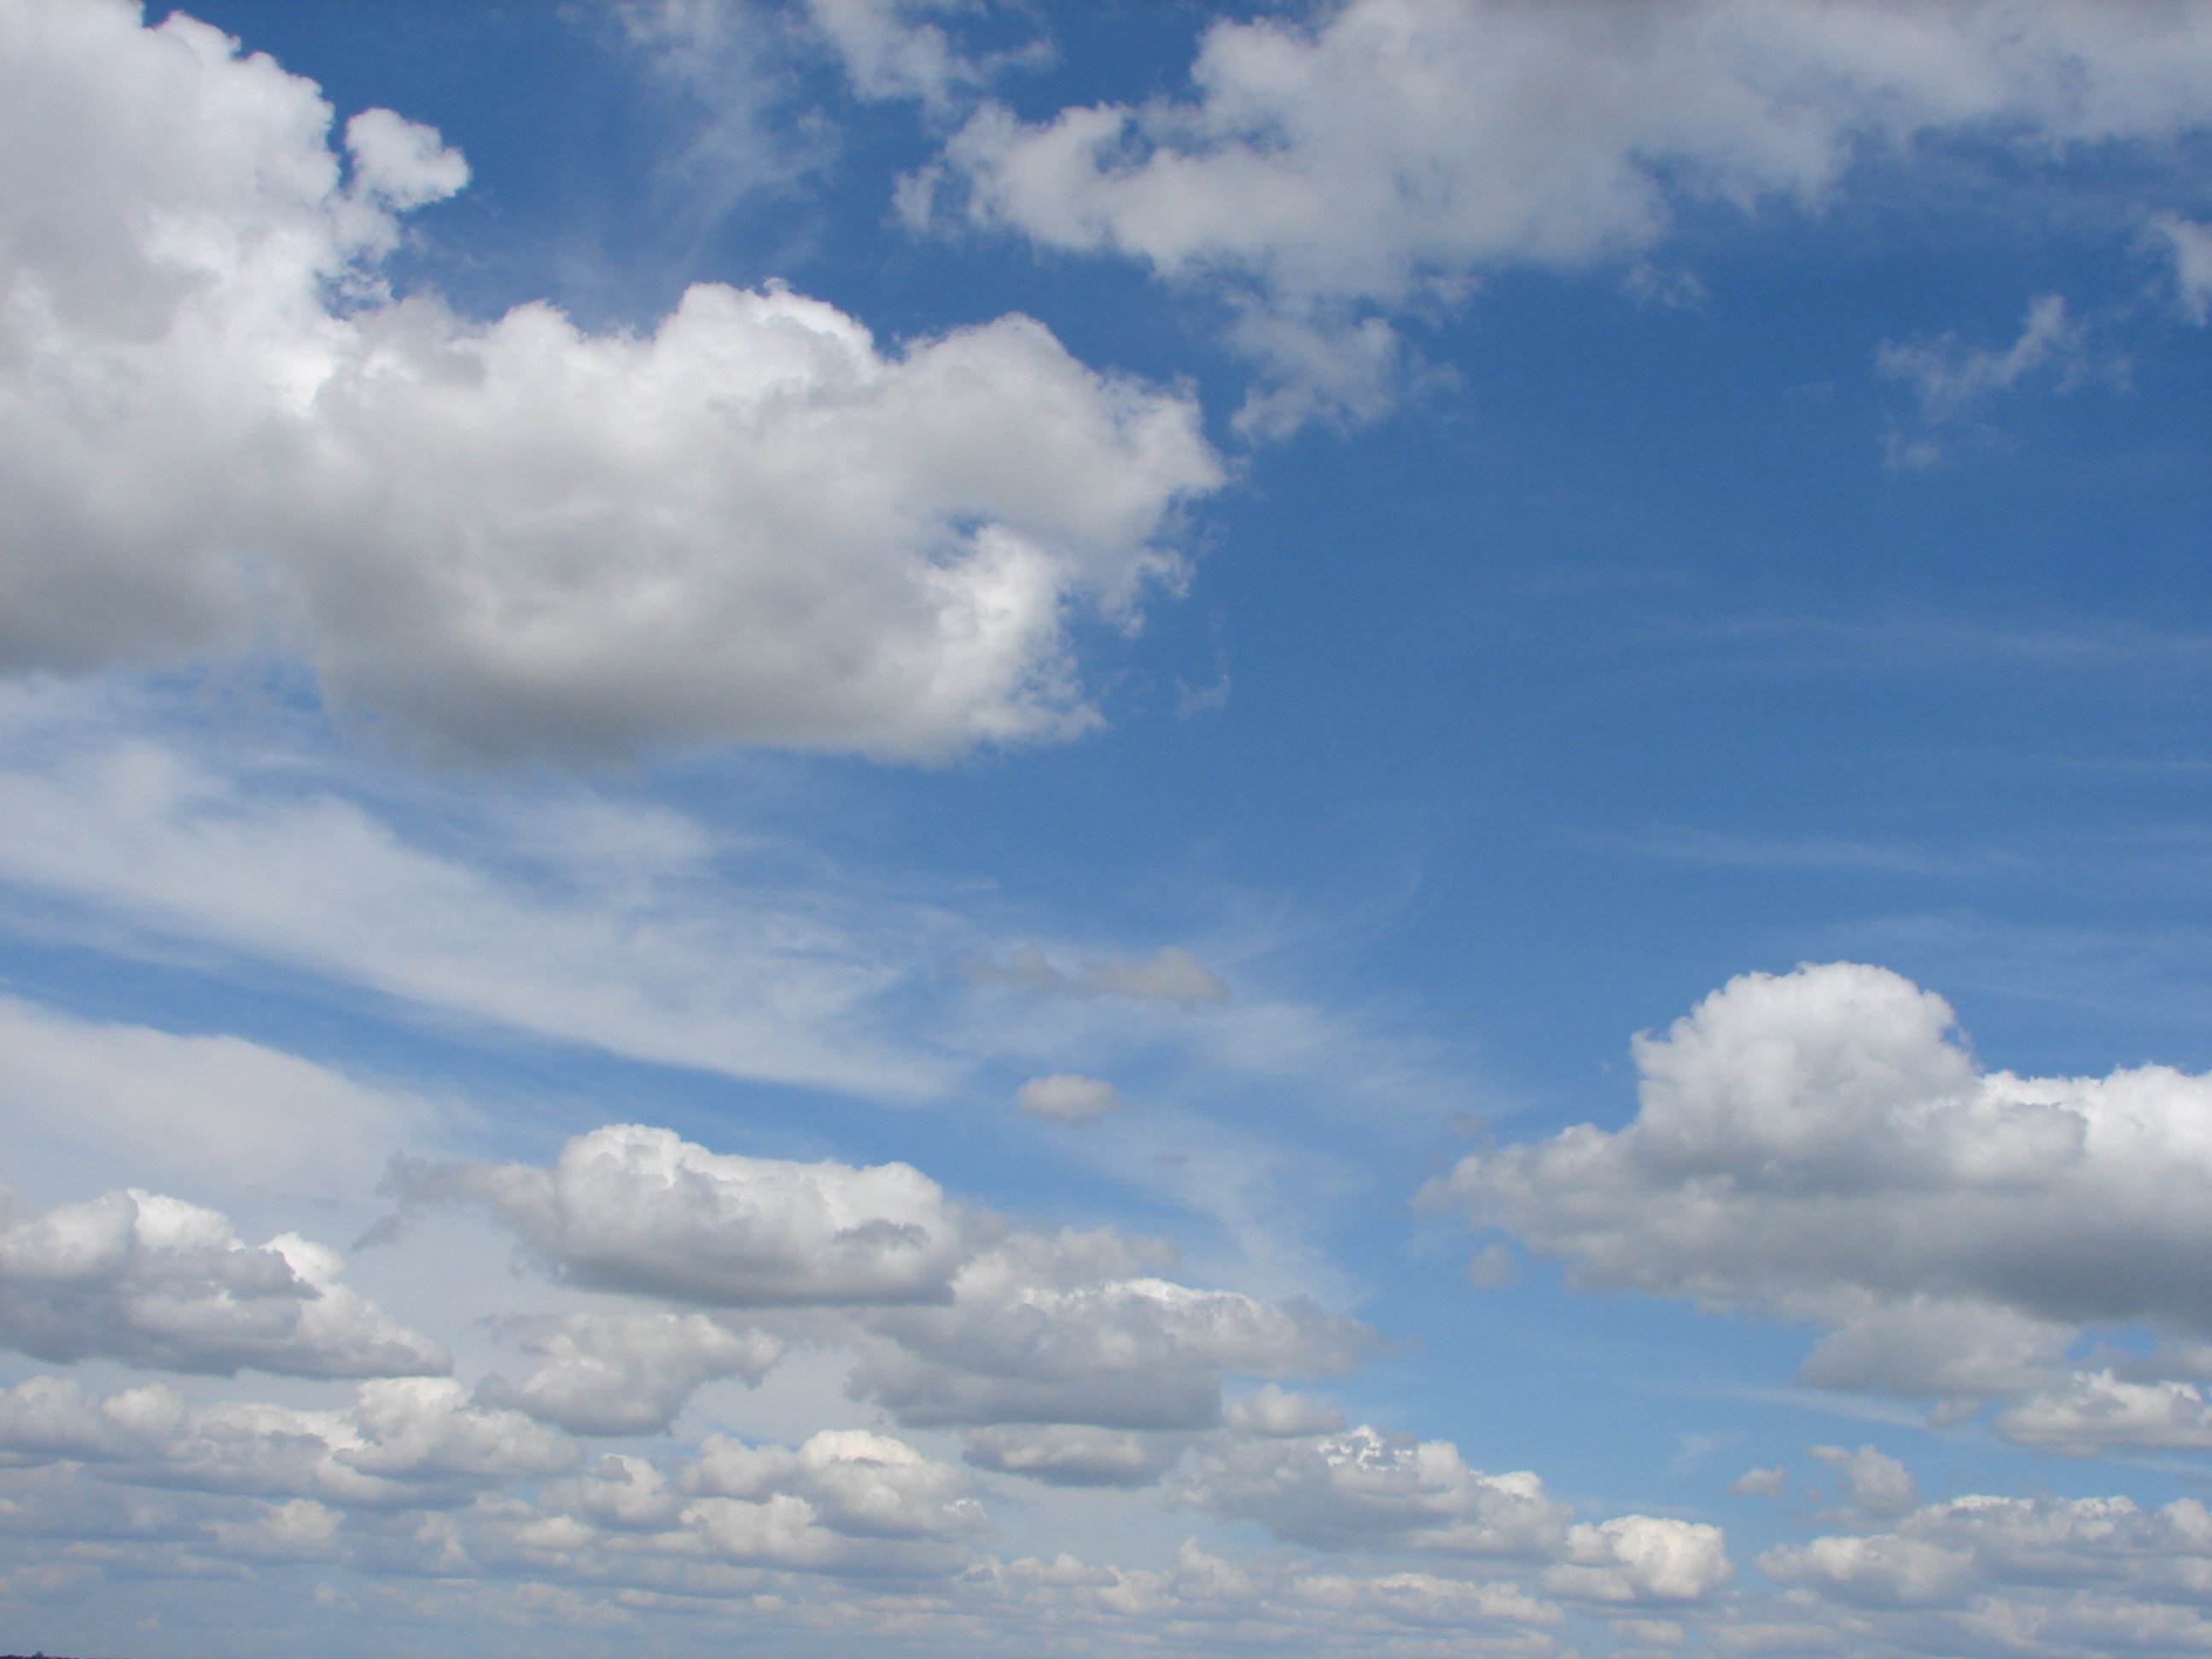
1068 1097
748 524
1820 1146
1170 974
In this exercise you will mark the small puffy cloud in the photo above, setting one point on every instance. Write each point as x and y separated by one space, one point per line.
748 523
1170 974
846 1501
156 1282
1873 1482
632 1208
1950 377
859 1483
1067 1097
626 1373
1819 1146
1330 169
2188 243
1641 1558
1367 1489
1762 1483
1075 1453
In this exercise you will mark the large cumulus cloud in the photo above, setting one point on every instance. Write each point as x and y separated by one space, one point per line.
1822 1146
748 523
153 1281
1336 166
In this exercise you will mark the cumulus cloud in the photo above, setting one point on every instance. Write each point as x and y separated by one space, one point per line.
1956 1555
1333 168
1063 1331
1075 1453
404 1441
955 1319
1641 1558
632 1208
1366 1488
1762 1483
626 1373
1067 1097
750 523
1170 974
2096 1412
1873 1482
1820 1146
156 1282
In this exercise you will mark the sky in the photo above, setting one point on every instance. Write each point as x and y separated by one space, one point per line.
987 827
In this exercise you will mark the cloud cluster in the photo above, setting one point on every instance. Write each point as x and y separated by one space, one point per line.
153 1281
748 523
404 1441
628 1207
1358 160
2030 1576
1819 1146
957 1320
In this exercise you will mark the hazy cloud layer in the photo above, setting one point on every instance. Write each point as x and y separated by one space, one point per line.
748 524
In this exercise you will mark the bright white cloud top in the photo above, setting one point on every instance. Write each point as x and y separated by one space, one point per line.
748 523
798 798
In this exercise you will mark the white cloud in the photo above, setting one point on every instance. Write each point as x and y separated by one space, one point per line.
1956 1555
1075 1453
2096 1412
748 523
1641 1558
1382 155
1042 1330
153 1281
1762 1483
402 1442
1873 1482
2188 244
210 1112
1366 1488
956 1320
588 921
1170 974
1275 1410
1817 1145
626 1373
1067 1097
857 1482
632 1208
1950 377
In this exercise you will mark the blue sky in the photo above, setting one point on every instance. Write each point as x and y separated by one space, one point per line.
899 824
